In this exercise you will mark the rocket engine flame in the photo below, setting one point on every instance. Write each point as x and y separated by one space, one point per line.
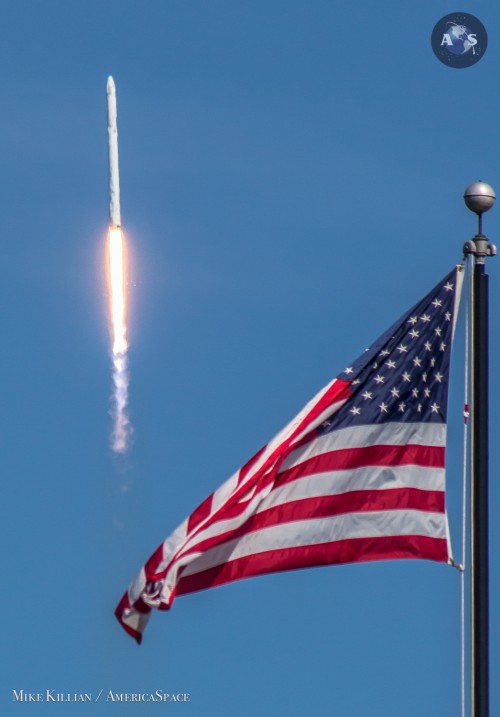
117 282
117 279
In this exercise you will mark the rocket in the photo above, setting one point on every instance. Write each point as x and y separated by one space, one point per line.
114 174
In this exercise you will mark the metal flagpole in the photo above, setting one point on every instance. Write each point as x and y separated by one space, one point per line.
479 197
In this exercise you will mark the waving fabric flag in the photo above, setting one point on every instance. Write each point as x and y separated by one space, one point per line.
358 475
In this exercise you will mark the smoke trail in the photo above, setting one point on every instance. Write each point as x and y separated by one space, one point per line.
121 429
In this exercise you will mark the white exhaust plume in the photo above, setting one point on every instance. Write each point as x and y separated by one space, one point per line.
122 428
117 284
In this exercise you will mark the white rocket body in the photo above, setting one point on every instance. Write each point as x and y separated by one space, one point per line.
114 175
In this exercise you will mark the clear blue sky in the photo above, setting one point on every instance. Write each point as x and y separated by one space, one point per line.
292 177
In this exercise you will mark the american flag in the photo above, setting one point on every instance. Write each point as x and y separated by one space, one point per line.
357 475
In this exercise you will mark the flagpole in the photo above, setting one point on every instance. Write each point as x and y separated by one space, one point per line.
479 198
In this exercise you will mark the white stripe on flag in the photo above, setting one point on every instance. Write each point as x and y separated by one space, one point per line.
388 434
323 530
366 478
324 485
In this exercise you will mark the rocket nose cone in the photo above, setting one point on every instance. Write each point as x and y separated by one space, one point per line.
110 87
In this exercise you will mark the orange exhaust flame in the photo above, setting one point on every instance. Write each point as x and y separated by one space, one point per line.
117 279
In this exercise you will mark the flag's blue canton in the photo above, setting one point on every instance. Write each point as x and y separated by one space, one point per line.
403 376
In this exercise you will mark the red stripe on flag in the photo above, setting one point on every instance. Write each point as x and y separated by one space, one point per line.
200 513
327 507
339 391
121 608
349 458
354 550
342 459
249 464
151 566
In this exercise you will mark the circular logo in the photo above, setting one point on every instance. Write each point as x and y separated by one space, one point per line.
459 40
